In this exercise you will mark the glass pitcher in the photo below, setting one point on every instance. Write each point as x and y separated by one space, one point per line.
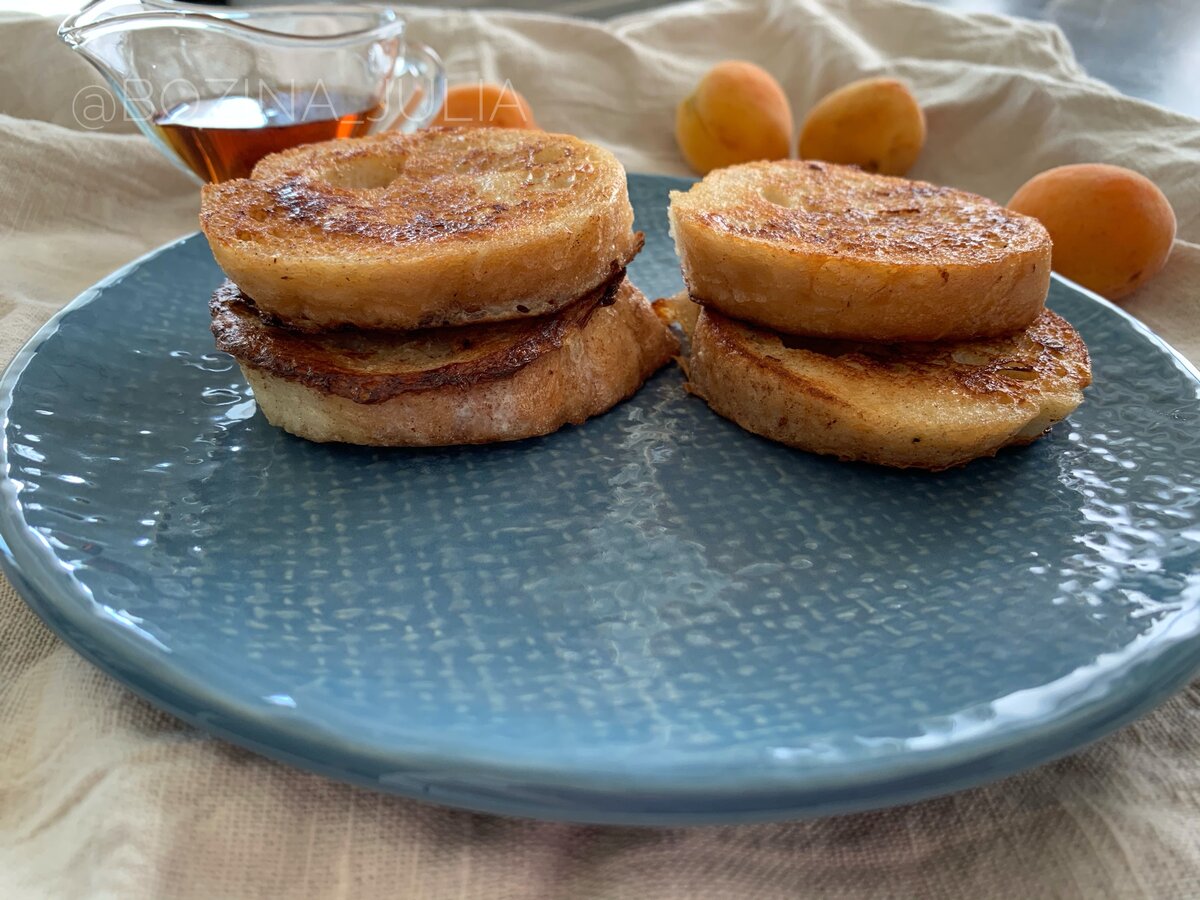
218 89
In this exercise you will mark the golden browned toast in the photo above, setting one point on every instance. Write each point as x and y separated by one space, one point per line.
928 406
467 385
830 251
440 227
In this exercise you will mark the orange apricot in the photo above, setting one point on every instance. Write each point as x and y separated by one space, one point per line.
738 113
482 105
875 124
1112 228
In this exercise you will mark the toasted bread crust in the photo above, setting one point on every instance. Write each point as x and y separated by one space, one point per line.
930 406
817 249
445 226
578 367
374 366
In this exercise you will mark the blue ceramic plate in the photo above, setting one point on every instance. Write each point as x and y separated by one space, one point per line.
655 617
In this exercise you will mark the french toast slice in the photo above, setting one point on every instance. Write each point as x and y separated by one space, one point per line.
928 406
446 226
469 385
824 250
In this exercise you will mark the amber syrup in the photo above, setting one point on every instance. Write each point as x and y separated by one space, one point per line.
223 137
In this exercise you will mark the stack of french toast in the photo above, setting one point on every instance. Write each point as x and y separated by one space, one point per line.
460 285
870 317
452 286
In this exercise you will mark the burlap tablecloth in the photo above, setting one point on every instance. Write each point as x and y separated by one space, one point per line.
103 796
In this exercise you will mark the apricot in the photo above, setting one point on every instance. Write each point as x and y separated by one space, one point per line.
1112 228
875 124
738 113
485 105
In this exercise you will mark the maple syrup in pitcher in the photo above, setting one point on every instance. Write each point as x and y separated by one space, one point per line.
255 80
223 137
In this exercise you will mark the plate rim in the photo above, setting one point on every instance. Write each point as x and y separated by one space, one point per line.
875 782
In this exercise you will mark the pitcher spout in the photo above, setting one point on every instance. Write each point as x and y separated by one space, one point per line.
106 17
98 31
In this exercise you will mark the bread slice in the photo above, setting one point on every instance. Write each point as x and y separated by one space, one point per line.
928 406
469 385
445 226
830 251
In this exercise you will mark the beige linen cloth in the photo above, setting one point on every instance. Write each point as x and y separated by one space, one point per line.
102 796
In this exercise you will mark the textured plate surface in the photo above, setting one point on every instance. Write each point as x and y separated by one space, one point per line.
655 617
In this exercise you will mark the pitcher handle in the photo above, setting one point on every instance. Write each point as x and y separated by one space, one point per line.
421 63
